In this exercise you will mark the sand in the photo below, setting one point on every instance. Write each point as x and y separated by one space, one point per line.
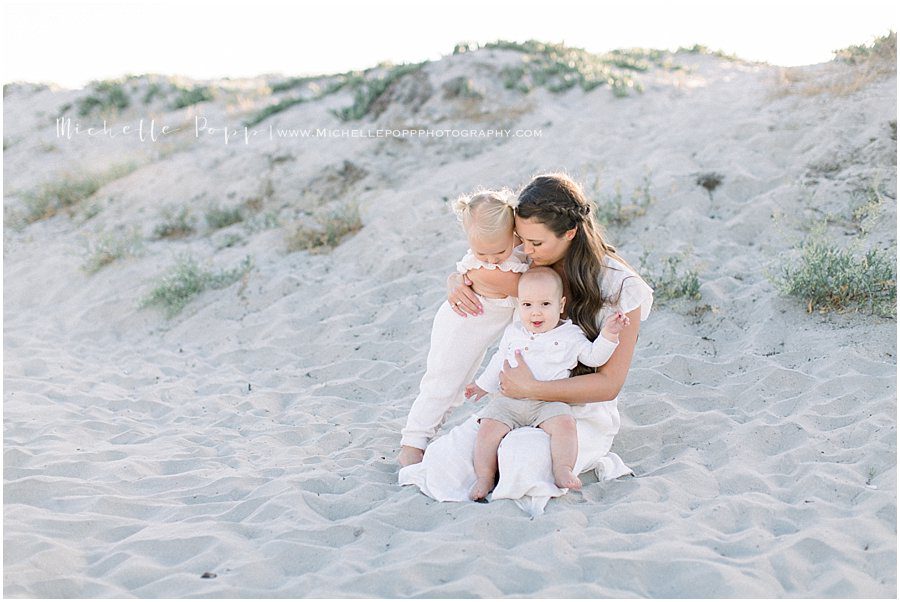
253 436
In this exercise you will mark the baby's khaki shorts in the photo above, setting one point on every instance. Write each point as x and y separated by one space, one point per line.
516 413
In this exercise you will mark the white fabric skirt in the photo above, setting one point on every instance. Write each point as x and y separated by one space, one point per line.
447 472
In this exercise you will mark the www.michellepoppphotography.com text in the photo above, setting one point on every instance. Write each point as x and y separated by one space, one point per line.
148 130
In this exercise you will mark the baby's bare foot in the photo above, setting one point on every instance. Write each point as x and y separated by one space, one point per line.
410 455
566 479
481 488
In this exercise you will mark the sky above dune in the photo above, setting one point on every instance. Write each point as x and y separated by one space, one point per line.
71 43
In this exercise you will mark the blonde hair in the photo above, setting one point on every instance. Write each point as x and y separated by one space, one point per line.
487 213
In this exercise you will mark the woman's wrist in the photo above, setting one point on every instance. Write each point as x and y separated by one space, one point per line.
539 389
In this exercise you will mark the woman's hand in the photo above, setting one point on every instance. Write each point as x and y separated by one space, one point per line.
518 382
461 297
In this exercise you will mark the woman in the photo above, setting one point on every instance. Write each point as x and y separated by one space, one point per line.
556 224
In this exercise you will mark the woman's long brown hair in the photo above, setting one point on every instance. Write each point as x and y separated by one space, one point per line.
558 203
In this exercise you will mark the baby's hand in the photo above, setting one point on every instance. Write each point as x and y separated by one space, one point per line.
473 390
614 325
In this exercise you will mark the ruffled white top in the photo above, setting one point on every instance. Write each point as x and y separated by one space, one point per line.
517 262
635 292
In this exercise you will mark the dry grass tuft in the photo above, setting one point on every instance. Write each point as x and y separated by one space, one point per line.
852 69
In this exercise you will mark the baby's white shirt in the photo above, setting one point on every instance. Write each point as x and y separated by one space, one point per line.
516 262
550 355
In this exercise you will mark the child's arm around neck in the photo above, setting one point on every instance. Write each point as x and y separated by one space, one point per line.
494 284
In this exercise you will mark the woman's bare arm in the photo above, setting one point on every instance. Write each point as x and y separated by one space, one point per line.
603 385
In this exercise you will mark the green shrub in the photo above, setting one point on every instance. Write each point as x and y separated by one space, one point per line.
615 212
340 82
186 280
105 95
867 206
176 224
273 109
111 246
294 82
559 68
153 90
229 240
701 49
512 79
262 221
217 217
367 90
671 282
332 229
191 96
52 197
827 278
464 47
883 49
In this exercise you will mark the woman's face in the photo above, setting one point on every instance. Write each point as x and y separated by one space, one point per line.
540 243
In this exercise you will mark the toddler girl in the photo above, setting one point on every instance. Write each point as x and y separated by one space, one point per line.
458 343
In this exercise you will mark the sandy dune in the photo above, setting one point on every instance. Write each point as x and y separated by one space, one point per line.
253 435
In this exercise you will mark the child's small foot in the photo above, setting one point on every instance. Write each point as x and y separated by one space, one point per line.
566 479
410 455
481 488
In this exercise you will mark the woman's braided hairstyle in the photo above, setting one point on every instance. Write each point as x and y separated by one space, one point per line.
557 202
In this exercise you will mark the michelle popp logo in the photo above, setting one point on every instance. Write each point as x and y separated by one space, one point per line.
149 130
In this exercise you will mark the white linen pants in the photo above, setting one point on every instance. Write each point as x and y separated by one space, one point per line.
458 346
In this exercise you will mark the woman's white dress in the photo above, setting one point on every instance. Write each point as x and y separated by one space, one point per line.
447 473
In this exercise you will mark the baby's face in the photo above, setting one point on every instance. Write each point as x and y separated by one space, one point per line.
494 249
540 304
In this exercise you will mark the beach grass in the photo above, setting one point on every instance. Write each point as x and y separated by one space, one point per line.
229 240
867 206
262 221
329 232
881 52
672 280
368 89
105 96
828 278
153 90
187 279
176 223
109 247
68 191
293 82
190 96
615 211
555 67
704 50
558 68
273 110
867 62
218 217
339 83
